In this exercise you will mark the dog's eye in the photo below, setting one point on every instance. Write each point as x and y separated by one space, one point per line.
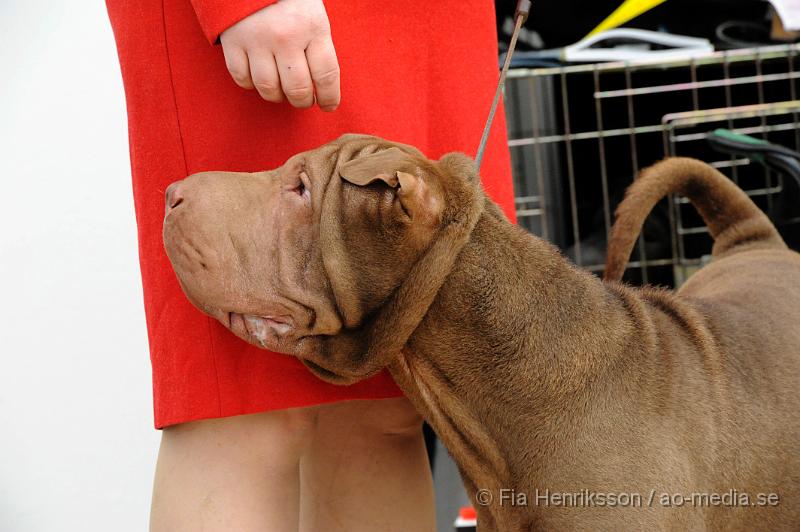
302 189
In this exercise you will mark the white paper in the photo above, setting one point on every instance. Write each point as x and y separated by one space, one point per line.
789 11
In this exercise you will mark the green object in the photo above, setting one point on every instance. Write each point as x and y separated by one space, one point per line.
773 156
738 137
730 142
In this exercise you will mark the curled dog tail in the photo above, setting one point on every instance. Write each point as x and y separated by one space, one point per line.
732 218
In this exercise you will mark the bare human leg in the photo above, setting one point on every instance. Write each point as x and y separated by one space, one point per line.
367 470
357 465
231 474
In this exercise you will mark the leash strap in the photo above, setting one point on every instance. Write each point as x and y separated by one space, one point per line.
521 14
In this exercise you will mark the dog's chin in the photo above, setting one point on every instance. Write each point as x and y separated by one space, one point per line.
274 334
266 332
327 375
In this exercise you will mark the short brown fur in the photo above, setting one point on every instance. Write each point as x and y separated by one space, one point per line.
538 376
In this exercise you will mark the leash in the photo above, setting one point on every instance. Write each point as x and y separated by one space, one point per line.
520 15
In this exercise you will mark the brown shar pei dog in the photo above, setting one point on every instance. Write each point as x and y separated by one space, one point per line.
568 402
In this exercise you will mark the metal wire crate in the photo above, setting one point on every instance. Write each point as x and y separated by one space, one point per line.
579 134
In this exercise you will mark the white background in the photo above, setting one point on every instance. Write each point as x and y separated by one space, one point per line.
77 444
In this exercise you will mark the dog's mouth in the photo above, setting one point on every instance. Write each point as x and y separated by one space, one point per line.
263 331
277 333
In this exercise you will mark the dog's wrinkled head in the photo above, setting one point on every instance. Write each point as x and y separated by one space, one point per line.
303 259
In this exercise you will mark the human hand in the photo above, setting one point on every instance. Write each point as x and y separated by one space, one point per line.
285 49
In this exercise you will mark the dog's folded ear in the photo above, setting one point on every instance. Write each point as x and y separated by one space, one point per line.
382 165
398 170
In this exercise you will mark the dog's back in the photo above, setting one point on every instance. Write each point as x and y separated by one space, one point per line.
742 311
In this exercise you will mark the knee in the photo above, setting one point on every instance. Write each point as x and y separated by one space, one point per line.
390 418
296 425
282 432
395 417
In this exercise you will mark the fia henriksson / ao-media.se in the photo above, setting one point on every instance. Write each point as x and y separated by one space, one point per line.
586 498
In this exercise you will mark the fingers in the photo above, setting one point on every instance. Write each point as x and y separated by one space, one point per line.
295 78
324 69
238 66
290 71
289 74
285 51
265 77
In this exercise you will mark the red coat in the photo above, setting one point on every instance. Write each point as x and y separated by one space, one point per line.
421 73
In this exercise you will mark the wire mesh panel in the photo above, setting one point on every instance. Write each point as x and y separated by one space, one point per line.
579 135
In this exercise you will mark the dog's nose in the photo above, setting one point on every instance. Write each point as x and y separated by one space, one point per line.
173 196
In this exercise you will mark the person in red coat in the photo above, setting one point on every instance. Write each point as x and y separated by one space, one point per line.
251 440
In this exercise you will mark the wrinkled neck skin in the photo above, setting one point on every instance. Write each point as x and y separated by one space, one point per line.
503 332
